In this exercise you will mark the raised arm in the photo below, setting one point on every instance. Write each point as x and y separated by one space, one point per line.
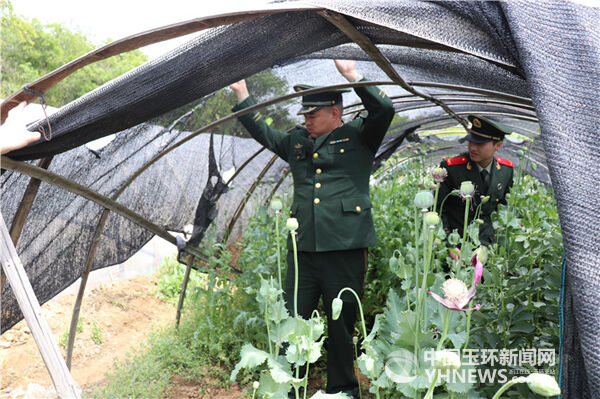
379 106
254 122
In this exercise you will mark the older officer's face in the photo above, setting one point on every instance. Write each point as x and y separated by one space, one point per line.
322 121
483 153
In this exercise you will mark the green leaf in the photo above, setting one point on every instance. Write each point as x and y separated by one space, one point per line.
278 312
522 328
281 376
268 388
457 386
457 339
250 358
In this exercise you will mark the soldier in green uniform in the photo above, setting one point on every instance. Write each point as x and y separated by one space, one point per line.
491 175
331 165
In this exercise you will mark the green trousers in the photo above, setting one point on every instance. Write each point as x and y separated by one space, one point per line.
325 274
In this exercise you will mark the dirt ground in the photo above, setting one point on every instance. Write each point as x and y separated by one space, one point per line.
125 311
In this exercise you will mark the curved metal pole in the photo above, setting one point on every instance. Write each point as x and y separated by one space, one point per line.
470 100
499 94
453 101
92 250
20 217
442 118
281 179
242 166
82 285
133 42
186 277
508 107
242 204
340 21
91 195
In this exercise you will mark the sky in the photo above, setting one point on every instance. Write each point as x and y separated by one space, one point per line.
116 19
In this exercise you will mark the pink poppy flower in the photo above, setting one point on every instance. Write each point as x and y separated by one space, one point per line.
456 294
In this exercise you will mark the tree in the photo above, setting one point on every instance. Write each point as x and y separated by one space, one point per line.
263 86
30 49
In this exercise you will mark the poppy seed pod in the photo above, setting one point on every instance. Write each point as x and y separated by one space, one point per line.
255 385
431 219
276 205
446 360
454 238
467 188
485 199
423 199
336 308
543 384
292 224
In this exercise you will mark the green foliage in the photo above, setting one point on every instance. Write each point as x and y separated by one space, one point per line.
230 314
31 49
262 86
63 340
519 293
144 373
170 278
96 333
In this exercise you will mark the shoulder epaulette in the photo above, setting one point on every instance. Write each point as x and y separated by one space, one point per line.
456 161
505 162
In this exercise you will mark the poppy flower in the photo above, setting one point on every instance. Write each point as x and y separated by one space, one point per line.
456 294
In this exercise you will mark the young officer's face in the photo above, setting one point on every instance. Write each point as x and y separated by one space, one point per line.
322 121
483 153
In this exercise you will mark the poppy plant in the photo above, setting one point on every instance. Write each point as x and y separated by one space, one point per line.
456 295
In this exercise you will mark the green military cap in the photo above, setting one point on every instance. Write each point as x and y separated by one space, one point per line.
483 130
313 102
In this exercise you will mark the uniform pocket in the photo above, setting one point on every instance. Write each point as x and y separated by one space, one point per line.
341 147
356 205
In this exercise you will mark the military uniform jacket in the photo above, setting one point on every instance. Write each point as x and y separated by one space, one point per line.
331 173
461 168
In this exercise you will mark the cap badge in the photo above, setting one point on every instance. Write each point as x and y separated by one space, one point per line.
476 122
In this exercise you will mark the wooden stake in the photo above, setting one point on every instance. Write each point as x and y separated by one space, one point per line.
65 385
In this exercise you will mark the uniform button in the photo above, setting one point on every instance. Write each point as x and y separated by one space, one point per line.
316 155
316 200
341 150
318 185
318 171
357 208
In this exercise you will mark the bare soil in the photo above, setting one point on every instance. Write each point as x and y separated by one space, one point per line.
125 311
